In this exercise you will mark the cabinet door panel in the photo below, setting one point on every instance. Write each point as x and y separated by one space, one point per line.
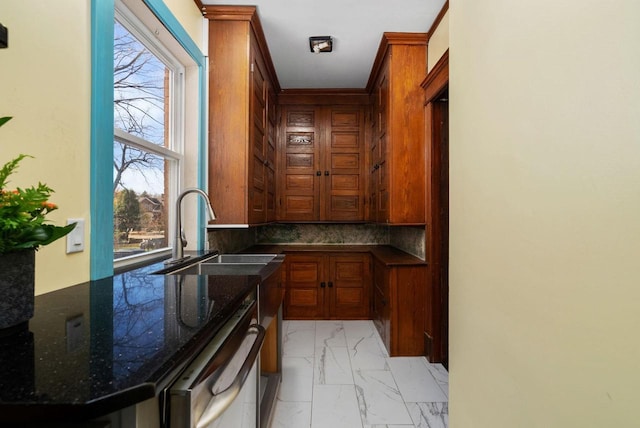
341 161
345 182
325 144
304 296
345 118
345 140
345 189
349 294
258 141
300 118
301 206
299 163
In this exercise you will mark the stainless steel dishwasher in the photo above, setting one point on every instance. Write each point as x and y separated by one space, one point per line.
220 387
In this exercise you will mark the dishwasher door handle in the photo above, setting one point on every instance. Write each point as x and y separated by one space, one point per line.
224 398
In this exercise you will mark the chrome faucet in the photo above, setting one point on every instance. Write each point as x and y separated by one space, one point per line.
180 241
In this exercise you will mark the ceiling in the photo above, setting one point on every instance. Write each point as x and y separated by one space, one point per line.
356 27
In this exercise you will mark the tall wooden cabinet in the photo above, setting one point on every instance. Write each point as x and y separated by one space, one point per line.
327 285
322 163
242 117
397 151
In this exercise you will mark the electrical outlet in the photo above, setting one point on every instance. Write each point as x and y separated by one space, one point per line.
75 238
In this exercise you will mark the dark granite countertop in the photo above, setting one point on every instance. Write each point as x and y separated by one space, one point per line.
388 254
104 345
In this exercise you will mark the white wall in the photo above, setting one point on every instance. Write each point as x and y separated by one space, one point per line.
545 214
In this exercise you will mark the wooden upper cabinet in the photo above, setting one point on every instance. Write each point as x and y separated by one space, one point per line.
242 117
322 163
397 150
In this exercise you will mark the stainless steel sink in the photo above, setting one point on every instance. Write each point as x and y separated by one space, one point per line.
242 258
221 269
228 264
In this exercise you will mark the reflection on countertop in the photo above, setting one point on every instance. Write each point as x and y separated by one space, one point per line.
103 345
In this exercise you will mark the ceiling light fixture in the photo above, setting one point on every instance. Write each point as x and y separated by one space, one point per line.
319 44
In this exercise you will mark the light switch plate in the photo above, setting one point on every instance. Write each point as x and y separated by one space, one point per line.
75 238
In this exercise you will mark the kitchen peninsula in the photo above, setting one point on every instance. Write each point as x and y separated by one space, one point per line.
103 346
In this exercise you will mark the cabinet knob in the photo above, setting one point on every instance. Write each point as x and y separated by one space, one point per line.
318 173
330 284
322 285
326 173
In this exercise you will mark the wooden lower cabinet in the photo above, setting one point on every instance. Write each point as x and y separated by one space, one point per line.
398 308
327 286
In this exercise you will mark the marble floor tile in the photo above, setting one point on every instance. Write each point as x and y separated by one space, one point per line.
335 406
389 426
429 415
332 366
366 355
356 330
379 399
440 374
298 342
414 380
297 379
291 414
330 333
338 374
298 325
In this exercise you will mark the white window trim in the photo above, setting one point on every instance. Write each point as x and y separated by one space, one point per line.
147 28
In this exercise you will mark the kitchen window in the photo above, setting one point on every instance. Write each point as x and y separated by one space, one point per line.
149 123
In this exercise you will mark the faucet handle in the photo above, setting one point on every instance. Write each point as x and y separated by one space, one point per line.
183 238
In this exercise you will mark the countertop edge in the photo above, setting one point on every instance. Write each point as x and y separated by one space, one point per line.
387 254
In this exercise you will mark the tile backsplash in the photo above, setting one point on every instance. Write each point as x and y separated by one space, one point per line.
406 238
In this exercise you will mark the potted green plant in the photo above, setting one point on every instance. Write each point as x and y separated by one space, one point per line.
23 229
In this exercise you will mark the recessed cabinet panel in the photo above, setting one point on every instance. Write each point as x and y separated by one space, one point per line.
300 204
345 182
345 140
258 174
345 161
304 297
299 182
300 140
301 118
345 118
344 203
303 271
299 160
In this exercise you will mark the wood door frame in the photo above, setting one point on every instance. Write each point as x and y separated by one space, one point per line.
436 233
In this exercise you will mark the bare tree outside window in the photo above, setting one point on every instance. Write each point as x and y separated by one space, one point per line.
141 88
